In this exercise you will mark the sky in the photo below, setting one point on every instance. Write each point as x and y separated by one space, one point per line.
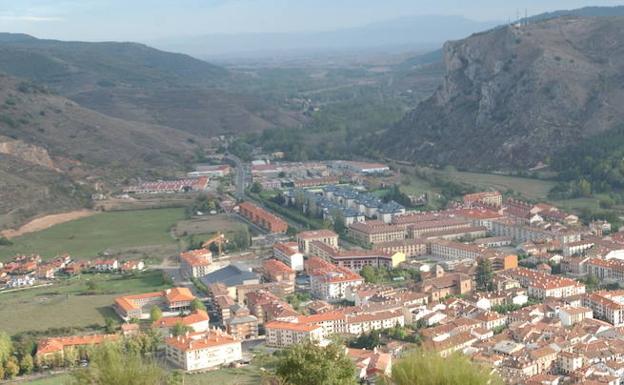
140 20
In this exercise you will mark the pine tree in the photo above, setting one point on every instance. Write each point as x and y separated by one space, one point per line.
485 275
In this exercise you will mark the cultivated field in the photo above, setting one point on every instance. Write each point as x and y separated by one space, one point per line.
114 232
67 305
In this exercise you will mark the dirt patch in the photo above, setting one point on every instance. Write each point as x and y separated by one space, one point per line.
45 222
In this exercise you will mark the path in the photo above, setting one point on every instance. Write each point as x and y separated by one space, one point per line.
46 222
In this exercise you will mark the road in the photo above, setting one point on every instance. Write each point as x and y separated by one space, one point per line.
241 175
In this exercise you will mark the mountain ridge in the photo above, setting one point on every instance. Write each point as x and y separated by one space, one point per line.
513 96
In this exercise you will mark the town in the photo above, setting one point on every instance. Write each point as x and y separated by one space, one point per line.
521 286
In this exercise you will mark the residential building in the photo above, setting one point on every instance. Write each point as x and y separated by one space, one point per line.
328 282
325 236
288 252
277 271
488 198
263 218
195 263
412 248
607 305
282 334
242 325
201 351
371 232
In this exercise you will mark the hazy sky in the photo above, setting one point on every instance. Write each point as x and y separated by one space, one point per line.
154 19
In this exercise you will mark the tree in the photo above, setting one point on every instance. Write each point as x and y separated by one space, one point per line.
180 329
340 225
110 326
256 188
11 368
155 313
110 364
484 275
196 304
6 347
310 364
27 364
429 368
369 274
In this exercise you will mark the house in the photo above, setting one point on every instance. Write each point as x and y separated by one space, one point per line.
201 351
132 266
444 284
105 265
370 363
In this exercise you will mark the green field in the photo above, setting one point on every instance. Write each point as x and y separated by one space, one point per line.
115 232
243 376
61 379
66 305
527 187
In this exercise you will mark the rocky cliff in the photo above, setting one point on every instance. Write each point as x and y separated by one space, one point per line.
516 95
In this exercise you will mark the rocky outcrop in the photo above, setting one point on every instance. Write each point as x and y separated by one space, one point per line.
26 152
514 96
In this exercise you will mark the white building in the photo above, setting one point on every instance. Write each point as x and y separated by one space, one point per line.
288 252
200 351
282 334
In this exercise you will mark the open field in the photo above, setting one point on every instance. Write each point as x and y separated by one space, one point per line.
66 305
208 224
111 231
61 379
249 375
46 222
527 187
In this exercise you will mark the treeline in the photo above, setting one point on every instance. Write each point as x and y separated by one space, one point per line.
595 165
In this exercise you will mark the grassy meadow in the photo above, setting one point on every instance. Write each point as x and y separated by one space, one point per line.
66 304
108 231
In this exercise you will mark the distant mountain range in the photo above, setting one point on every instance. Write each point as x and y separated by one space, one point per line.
139 83
410 32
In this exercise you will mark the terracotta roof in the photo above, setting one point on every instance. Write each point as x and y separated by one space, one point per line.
53 345
206 340
316 234
297 327
188 320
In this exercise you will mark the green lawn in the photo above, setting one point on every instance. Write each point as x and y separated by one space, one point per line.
111 231
65 305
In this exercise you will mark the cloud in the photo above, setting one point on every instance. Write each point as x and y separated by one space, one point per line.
31 19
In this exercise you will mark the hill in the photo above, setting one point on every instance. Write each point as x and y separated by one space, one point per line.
516 96
54 153
136 82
